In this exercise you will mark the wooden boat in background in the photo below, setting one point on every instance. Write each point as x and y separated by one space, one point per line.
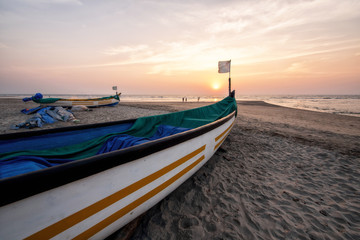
94 194
69 102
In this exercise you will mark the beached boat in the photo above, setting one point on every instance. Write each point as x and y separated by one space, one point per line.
69 102
89 181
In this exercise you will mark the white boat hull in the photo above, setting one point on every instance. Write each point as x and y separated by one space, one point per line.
98 205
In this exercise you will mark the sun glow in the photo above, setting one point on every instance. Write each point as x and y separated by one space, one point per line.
215 85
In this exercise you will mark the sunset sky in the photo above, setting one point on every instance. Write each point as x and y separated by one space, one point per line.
173 47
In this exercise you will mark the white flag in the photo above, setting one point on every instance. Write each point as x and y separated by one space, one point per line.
224 66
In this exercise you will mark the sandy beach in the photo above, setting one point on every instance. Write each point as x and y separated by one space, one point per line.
282 173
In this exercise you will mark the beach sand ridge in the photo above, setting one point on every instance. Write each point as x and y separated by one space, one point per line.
282 173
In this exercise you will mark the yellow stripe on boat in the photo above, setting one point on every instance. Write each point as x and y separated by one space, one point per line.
226 133
217 138
112 218
81 215
82 103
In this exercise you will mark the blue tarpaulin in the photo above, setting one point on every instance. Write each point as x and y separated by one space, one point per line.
44 115
123 140
24 164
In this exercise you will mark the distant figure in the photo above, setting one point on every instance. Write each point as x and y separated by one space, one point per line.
198 99
186 99
183 99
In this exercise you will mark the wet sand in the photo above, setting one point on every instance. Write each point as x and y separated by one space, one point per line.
281 174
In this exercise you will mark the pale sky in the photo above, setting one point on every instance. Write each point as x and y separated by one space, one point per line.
173 47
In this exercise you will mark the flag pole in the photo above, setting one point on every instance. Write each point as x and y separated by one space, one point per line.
224 67
229 78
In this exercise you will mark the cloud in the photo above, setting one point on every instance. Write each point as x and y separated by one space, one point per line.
125 49
3 46
173 37
296 68
177 56
263 17
67 2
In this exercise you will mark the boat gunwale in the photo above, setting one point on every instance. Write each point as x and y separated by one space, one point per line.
32 183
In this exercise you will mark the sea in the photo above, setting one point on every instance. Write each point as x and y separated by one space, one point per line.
336 104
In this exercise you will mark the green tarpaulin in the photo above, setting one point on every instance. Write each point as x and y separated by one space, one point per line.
143 127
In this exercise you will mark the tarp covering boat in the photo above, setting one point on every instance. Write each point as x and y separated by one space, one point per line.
38 98
66 102
28 154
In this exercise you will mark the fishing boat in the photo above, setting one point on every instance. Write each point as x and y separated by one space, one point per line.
88 181
69 102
